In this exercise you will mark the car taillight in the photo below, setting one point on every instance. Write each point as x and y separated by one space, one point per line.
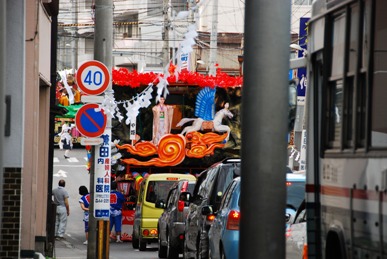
305 252
210 218
180 206
147 232
233 220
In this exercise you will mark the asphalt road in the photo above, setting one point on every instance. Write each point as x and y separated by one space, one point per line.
74 172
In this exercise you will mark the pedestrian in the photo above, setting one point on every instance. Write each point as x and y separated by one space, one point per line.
61 199
84 201
66 142
117 199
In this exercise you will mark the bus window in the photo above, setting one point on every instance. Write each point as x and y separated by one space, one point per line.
379 91
338 39
335 113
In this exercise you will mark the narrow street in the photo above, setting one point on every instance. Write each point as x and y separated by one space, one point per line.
74 172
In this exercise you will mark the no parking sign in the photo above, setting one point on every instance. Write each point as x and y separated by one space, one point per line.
89 122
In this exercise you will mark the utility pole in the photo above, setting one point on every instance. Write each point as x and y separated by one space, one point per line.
74 42
214 38
264 120
165 34
98 245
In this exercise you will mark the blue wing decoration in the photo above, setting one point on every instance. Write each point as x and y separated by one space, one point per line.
205 104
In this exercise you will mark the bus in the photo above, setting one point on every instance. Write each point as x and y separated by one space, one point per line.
346 126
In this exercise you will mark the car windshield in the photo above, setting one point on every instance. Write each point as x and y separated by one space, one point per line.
158 190
295 193
191 187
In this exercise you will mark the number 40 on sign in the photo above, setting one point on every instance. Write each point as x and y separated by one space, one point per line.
93 77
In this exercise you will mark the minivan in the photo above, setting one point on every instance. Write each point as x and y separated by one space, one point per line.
153 189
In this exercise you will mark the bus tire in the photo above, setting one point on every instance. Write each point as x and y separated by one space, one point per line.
335 247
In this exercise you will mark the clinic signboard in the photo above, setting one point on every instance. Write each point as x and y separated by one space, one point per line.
102 178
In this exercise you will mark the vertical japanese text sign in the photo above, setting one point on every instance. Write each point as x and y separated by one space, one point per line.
102 178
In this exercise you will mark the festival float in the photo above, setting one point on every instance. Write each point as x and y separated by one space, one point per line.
204 128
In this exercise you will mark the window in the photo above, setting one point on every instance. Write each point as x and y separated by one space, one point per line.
361 111
379 90
227 195
338 38
302 2
353 41
158 190
335 113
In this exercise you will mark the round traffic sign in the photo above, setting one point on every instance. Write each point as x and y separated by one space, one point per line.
89 122
93 77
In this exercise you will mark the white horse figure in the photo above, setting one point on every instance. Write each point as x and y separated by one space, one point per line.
218 126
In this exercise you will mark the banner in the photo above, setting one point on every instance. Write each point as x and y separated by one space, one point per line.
301 72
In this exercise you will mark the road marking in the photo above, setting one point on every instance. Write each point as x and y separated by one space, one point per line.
61 173
72 160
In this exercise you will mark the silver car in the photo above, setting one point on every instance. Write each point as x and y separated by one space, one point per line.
171 223
296 242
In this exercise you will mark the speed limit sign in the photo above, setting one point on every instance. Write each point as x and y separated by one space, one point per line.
93 77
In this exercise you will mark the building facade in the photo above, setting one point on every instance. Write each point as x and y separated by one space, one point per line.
26 27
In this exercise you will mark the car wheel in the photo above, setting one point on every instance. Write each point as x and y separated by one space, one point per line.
222 255
202 247
185 252
162 249
173 252
135 241
142 245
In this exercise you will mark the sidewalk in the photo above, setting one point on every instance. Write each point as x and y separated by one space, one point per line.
64 249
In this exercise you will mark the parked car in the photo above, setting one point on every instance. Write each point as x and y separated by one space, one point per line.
296 240
209 189
154 189
295 191
171 223
224 232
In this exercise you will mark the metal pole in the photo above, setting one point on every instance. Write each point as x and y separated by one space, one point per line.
51 208
74 41
103 38
264 120
214 38
3 41
165 34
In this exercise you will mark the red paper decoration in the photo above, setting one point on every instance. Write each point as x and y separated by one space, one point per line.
125 78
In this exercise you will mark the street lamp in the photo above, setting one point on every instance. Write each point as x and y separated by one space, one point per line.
240 60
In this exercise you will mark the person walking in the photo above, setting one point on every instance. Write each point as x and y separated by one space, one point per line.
117 199
84 201
61 199
66 142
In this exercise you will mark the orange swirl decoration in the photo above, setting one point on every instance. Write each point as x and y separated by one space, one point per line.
199 151
171 151
143 149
